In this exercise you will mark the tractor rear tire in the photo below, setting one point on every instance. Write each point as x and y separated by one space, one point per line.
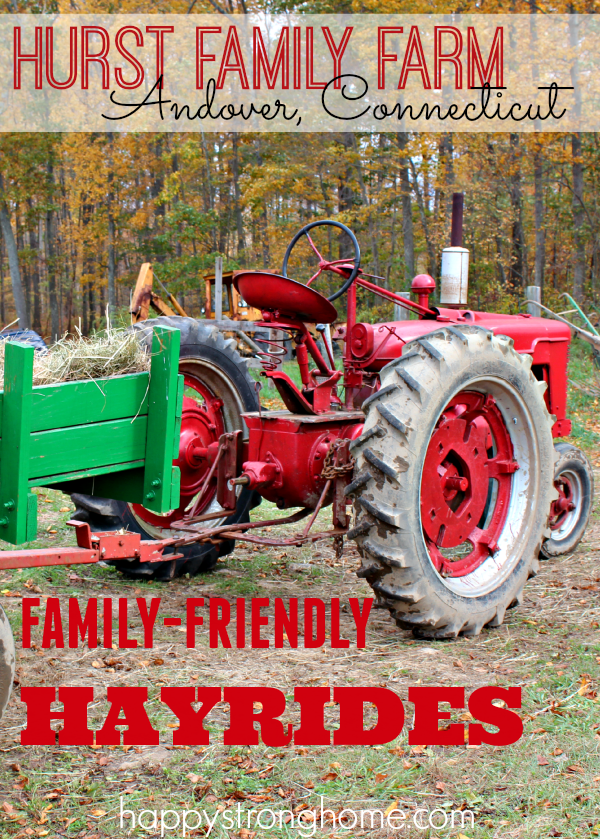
7 661
458 406
213 363
574 481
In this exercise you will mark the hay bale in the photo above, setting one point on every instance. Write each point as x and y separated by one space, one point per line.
113 352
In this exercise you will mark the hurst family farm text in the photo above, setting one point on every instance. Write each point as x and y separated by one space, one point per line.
301 57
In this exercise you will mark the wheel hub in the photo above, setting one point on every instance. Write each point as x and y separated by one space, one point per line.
563 505
469 451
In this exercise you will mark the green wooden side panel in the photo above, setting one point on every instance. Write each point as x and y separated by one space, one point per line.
116 438
80 403
164 408
87 446
14 446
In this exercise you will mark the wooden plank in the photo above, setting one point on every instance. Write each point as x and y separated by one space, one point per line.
49 480
17 515
164 409
82 447
80 403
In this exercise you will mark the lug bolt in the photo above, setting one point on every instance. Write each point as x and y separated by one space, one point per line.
454 482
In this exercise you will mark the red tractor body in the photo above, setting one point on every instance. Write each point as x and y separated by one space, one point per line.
546 341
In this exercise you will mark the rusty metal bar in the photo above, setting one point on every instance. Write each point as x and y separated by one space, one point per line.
47 556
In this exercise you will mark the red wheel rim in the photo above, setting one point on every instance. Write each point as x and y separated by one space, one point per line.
201 426
466 484
562 505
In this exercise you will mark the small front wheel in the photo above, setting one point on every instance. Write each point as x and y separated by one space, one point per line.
570 512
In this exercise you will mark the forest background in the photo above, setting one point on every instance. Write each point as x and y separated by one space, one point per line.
79 213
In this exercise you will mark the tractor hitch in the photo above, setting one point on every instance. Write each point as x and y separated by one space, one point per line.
91 548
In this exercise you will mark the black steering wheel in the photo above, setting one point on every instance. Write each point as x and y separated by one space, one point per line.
338 266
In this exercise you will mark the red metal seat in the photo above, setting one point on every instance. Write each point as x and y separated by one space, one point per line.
273 293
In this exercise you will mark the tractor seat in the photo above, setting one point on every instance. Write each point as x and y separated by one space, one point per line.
273 293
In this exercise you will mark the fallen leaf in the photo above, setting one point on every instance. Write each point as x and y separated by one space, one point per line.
330 776
575 767
542 761
379 777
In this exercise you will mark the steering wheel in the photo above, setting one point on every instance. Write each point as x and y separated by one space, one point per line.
338 266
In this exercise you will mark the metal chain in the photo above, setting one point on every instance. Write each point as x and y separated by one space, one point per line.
330 470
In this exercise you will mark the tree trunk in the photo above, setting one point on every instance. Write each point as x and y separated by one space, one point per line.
518 277
13 261
407 219
112 301
346 195
578 218
239 222
431 255
538 211
36 314
51 263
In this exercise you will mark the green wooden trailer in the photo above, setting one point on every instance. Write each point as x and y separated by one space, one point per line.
115 438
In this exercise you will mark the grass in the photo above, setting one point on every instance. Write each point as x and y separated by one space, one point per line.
545 785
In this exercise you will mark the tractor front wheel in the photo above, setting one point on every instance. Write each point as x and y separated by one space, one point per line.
454 481
570 512
218 389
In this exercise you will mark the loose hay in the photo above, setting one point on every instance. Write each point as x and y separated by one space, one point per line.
114 352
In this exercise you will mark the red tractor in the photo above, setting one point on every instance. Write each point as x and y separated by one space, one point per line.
438 432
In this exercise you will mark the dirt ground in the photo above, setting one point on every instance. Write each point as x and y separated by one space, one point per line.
547 784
